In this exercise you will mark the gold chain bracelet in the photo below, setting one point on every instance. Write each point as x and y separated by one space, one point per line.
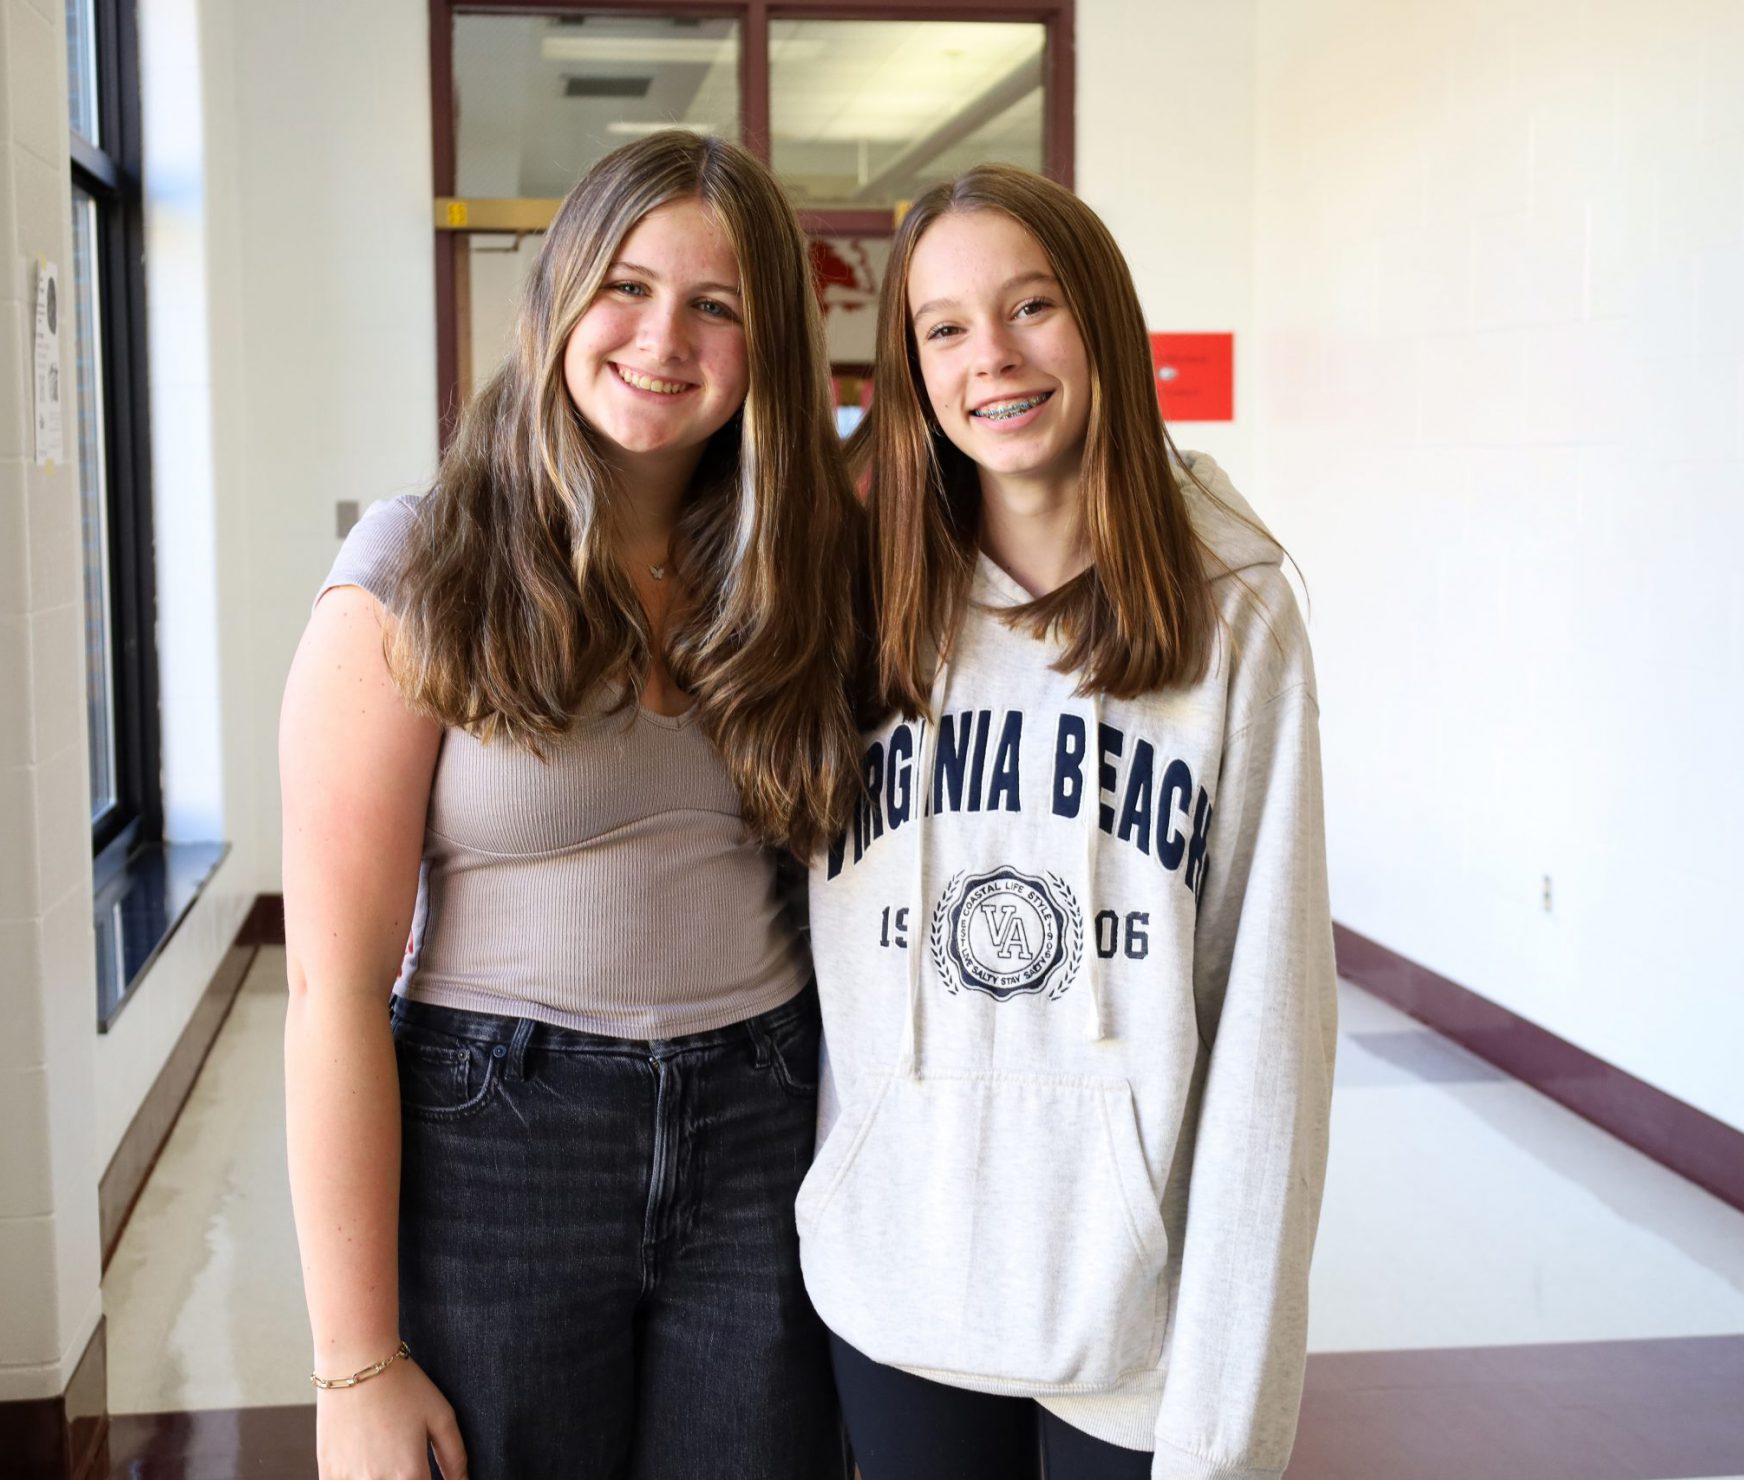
363 1374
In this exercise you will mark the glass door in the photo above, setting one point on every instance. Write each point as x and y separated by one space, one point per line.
857 109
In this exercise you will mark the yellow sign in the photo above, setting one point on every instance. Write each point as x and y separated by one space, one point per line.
476 213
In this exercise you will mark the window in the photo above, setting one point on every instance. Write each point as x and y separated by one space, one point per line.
108 291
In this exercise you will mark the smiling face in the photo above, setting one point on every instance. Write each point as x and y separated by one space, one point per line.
1000 354
656 364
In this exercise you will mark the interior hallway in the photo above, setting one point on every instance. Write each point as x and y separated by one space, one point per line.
1501 1291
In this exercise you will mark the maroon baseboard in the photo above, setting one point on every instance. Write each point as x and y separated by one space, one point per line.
1593 1410
64 1438
265 925
1688 1141
156 1117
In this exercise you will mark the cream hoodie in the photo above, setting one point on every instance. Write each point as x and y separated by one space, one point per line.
1079 1009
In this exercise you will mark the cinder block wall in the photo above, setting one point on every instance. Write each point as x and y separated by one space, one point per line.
1499 277
49 1299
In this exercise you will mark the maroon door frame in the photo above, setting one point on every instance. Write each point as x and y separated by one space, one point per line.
754 17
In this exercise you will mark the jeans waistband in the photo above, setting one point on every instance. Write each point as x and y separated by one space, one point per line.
518 1033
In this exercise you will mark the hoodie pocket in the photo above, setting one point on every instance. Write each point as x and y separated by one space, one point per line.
996 1228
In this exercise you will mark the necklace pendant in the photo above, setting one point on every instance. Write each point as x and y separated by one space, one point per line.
658 572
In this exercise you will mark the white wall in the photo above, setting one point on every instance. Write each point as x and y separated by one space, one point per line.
334 309
1165 157
49 1302
293 313
1500 302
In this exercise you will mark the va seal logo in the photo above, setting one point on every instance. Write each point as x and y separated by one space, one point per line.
1007 934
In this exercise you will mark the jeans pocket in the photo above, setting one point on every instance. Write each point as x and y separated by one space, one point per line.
443 1080
793 1052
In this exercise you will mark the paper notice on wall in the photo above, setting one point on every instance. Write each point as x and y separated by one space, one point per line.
48 364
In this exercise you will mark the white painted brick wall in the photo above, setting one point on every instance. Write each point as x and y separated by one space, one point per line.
1165 156
49 1299
1502 425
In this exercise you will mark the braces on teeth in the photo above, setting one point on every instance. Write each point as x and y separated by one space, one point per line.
1005 410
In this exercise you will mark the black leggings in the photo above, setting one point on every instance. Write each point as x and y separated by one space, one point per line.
904 1427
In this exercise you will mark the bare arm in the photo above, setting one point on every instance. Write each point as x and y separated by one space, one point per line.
355 770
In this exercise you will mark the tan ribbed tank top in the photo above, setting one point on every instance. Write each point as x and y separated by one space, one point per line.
610 887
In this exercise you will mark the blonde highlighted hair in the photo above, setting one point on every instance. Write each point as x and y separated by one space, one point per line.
515 607
1141 617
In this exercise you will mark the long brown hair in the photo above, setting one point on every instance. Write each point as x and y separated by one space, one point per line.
514 606
1141 617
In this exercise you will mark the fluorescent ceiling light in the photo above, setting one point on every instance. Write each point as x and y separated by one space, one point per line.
657 49
639 49
629 126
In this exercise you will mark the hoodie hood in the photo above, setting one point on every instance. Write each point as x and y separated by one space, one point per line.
1235 536
1226 522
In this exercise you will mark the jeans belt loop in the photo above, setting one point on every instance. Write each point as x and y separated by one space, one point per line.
759 1043
517 1065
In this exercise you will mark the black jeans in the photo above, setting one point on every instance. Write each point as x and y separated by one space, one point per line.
598 1261
904 1427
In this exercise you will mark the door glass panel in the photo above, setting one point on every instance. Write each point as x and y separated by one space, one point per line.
864 114
850 272
540 98
493 269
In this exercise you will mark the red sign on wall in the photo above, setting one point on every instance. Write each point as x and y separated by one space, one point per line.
1195 376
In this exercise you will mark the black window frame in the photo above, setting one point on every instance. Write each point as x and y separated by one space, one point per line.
111 174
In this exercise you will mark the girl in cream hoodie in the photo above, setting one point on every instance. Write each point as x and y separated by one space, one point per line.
1075 952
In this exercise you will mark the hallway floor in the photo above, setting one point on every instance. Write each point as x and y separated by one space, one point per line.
1501 1291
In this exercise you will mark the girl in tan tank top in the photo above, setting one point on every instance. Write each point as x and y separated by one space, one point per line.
548 731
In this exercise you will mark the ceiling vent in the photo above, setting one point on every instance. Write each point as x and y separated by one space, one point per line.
606 87
677 22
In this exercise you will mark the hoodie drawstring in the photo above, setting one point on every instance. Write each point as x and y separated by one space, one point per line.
1092 842
908 1056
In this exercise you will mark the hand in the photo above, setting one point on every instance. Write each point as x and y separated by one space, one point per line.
379 1429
